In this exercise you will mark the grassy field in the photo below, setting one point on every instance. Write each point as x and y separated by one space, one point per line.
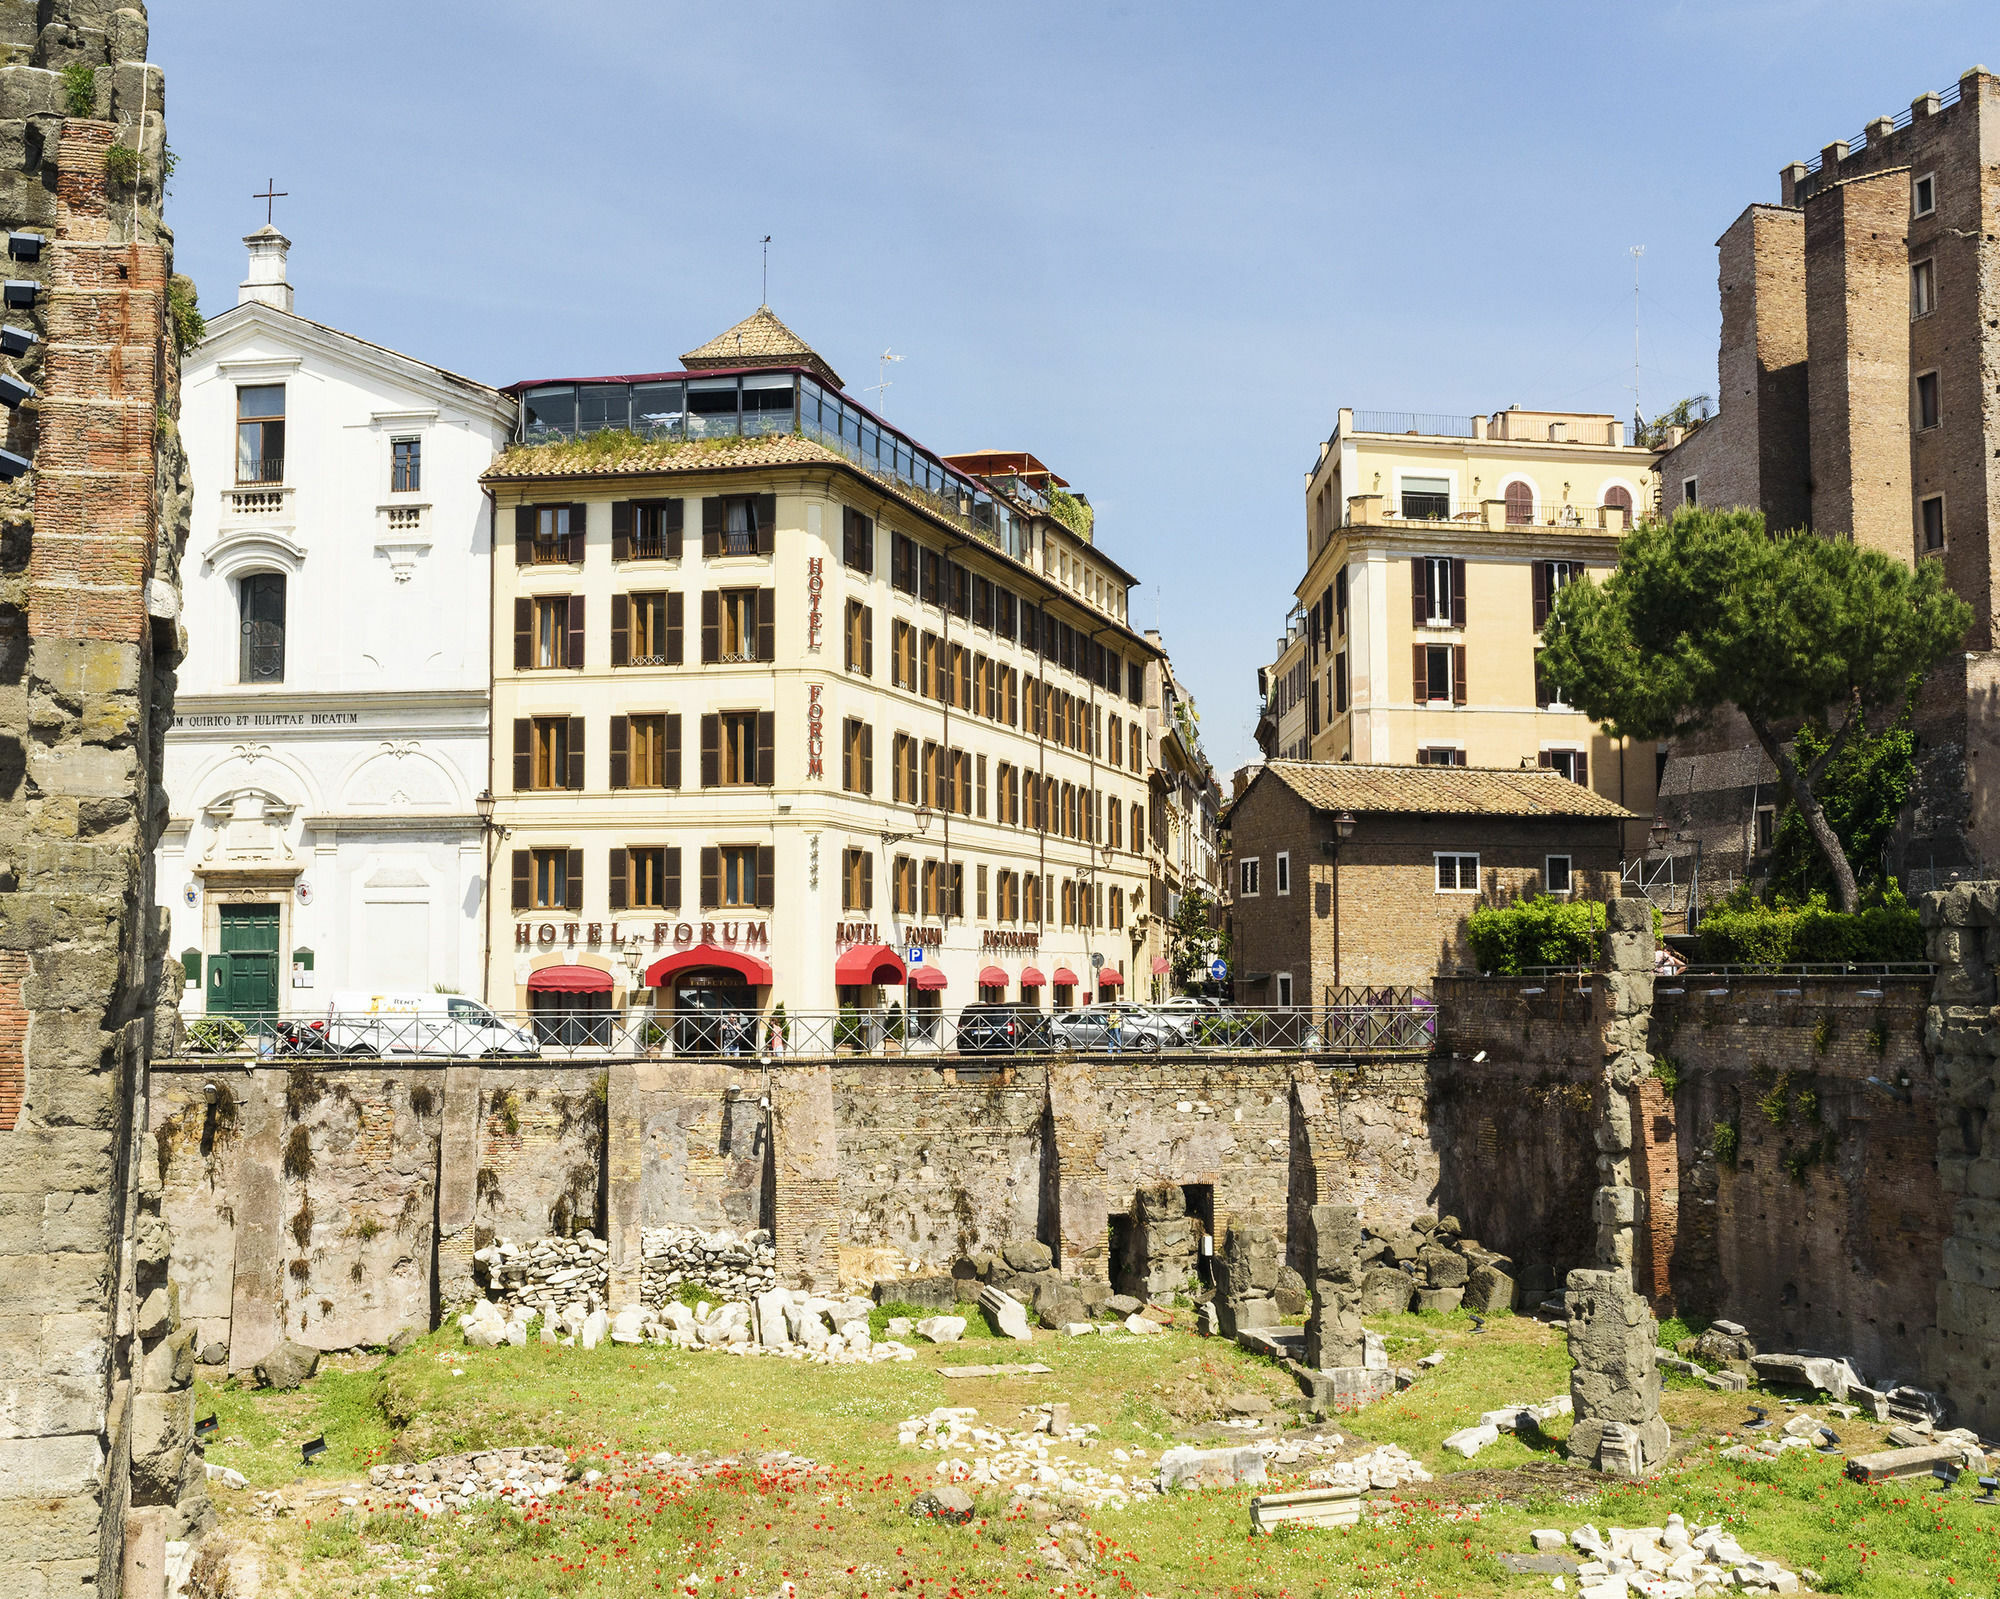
843 1528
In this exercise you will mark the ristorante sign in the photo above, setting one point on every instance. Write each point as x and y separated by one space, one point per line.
726 935
1000 938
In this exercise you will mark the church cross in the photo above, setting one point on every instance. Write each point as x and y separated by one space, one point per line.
271 196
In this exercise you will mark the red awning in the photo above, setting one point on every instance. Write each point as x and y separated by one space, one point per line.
1110 977
868 964
754 971
1030 978
992 977
1065 978
1161 966
927 977
570 980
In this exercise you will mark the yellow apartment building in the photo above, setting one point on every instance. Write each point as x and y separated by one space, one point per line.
789 709
1434 547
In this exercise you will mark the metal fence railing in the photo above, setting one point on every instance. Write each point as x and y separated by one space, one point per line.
467 1030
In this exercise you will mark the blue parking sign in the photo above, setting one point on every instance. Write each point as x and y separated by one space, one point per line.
916 956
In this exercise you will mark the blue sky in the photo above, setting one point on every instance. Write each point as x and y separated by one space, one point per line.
1158 246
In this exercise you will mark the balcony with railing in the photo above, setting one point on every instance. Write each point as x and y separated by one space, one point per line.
1495 516
266 503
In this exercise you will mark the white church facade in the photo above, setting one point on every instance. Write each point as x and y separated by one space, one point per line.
330 733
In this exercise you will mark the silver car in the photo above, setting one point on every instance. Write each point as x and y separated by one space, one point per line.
1089 1030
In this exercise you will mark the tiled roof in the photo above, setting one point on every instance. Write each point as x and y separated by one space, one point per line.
1439 790
760 339
618 454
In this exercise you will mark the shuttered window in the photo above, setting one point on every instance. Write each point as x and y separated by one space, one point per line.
857 880
645 877
1520 498
857 540
857 757
860 638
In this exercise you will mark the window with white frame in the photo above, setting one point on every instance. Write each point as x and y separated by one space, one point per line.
1283 872
1246 878
1555 874
1457 874
1923 195
1425 499
1437 590
1923 288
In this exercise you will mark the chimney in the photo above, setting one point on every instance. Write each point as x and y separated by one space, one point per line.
266 283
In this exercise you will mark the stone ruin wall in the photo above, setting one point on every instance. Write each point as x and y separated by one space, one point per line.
96 1473
1826 1227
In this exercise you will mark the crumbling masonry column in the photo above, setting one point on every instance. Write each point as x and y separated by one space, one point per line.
1615 1387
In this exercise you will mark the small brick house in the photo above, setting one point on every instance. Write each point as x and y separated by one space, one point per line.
1347 877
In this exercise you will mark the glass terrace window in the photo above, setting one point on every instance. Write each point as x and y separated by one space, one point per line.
260 433
602 405
405 466
1426 499
711 404
260 600
548 414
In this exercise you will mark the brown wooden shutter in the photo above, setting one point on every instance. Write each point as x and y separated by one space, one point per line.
1541 571
574 553
575 752
767 765
711 751
850 752
767 522
711 626
573 881
867 758
524 879
674 516
848 653
615 880
711 879
575 661
524 754
1583 768
1542 760
1419 610
621 530
1422 679
1458 674
524 634
621 743
670 886
621 630
867 880
675 610
524 535
673 763
867 641
1457 592
767 624
767 875
711 527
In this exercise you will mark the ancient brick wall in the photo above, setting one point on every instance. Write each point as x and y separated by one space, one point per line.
95 1468
1858 360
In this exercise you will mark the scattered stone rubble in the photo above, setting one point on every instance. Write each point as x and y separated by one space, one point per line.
719 1264
1039 1460
1429 1265
779 1321
1468 1441
1671 1562
522 1477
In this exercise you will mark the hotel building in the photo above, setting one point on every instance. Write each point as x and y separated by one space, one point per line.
1435 547
789 709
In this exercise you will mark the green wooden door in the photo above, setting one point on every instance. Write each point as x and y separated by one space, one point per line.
250 968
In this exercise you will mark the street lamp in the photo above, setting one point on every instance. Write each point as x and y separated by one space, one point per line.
923 820
1343 824
483 804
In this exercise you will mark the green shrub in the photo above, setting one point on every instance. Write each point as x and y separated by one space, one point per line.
189 326
215 1035
121 164
79 89
1744 932
1725 1143
1539 931
1668 1072
847 1032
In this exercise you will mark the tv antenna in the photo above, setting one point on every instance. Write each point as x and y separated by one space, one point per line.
1635 252
881 389
766 242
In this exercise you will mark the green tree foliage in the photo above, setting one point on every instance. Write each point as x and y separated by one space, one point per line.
1862 793
1712 610
1193 941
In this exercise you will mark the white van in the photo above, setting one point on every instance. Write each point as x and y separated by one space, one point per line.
421 1024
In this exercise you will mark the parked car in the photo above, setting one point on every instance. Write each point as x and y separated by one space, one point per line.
1007 1030
421 1024
1090 1028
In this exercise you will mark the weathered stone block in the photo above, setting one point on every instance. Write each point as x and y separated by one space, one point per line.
1385 1291
1489 1289
1441 1300
1443 1268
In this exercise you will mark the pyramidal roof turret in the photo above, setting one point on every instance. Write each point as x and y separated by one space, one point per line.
760 339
